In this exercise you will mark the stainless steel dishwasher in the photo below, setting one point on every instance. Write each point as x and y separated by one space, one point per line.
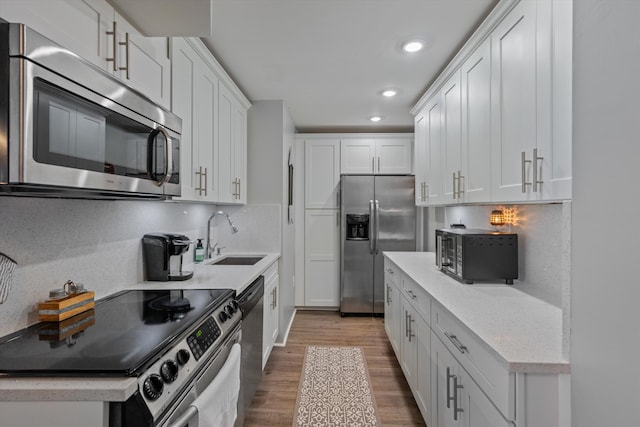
251 305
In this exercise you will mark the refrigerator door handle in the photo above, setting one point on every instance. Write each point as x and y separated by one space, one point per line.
377 225
371 228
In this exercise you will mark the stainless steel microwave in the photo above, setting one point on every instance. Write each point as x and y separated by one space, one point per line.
469 255
70 129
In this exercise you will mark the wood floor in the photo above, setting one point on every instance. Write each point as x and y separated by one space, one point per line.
275 399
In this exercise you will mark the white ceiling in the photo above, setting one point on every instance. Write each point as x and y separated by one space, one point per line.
328 60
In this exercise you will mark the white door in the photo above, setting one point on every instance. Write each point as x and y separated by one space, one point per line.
322 258
451 134
422 383
205 96
408 342
358 156
80 26
239 154
435 185
421 158
476 125
513 103
392 313
143 62
226 186
444 396
394 156
322 174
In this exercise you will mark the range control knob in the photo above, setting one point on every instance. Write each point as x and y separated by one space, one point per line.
169 371
229 310
235 305
183 356
223 316
153 386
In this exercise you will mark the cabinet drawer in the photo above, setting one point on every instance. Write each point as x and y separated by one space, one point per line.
270 272
392 272
417 297
494 379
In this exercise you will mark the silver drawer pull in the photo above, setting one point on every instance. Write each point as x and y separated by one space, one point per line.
461 348
390 271
411 294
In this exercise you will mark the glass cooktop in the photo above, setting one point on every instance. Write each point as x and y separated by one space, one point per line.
119 337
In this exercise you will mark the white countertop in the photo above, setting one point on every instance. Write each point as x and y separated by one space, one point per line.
205 276
523 332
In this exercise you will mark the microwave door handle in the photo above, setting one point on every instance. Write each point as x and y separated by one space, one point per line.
151 141
371 228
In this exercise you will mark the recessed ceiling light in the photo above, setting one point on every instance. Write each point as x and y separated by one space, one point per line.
412 46
375 118
389 93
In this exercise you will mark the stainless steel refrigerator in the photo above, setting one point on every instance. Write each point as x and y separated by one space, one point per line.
378 214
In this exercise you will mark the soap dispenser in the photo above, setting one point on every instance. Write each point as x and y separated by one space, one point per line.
198 253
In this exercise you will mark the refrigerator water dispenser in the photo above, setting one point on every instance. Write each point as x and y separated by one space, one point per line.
357 227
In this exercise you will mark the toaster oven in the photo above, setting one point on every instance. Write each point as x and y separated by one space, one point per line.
469 255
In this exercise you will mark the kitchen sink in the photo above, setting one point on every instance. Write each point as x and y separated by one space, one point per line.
237 260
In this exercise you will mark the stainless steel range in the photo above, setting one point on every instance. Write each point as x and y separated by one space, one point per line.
174 342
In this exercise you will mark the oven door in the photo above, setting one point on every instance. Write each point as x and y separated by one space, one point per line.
63 134
209 384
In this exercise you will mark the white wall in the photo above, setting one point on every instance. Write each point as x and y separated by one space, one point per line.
605 323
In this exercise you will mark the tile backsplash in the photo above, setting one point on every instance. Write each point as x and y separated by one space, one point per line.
98 243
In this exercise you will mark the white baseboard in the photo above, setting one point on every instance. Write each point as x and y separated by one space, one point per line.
286 335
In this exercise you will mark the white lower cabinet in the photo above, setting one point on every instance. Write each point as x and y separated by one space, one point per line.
271 310
392 310
457 400
322 258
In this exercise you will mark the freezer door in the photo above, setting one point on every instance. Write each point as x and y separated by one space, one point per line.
396 225
356 265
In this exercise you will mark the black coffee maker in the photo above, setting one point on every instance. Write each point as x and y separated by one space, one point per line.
162 254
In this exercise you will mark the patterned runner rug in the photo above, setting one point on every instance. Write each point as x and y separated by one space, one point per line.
335 389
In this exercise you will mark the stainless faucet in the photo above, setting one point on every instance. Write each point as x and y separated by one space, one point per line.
234 230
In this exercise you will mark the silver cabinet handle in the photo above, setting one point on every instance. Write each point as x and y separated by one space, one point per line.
455 193
373 165
275 298
205 181
460 188
449 398
378 164
199 175
406 323
535 170
115 46
126 53
239 189
411 334
388 294
426 191
524 162
390 271
461 348
411 294
456 409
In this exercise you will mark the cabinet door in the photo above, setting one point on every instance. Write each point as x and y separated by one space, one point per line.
239 149
451 137
422 390
194 99
322 261
435 185
393 156
322 174
444 396
476 125
143 62
408 342
358 156
226 184
513 103
392 313
80 26
479 411
421 158
275 312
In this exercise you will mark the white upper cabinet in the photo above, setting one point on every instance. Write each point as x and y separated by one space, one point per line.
505 105
322 173
451 137
86 27
435 184
232 141
514 99
389 155
194 99
475 186
421 157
